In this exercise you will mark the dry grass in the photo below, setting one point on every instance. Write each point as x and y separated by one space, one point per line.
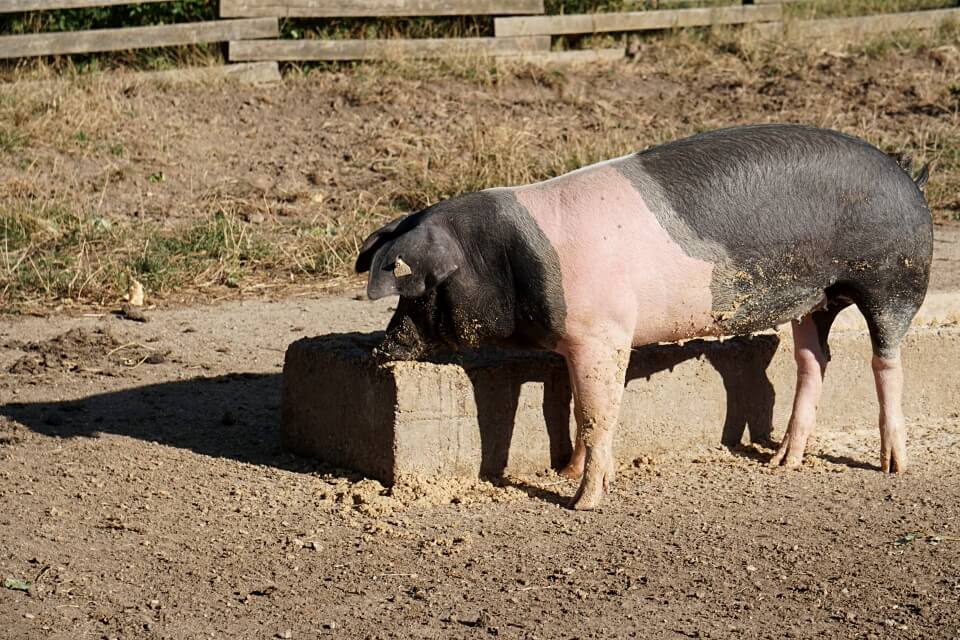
78 66
66 241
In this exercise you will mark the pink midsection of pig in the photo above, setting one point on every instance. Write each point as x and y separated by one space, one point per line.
623 276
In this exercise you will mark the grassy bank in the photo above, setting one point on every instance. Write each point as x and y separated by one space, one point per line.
103 181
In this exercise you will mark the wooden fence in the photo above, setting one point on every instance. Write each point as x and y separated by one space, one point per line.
251 28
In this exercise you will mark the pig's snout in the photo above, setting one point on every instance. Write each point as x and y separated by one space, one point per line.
391 352
402 342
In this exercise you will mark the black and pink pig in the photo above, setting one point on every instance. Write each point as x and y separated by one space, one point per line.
723 233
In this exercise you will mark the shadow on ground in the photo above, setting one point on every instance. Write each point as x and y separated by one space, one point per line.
742 363
232 416
237 416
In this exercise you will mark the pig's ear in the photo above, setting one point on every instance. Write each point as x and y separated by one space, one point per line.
373 243
414 264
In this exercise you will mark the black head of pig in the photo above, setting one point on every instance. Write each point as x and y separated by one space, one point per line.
410 257
469 270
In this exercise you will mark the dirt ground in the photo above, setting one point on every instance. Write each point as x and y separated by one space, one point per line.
143 493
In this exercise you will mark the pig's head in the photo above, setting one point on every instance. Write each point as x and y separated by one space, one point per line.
412 257
470 270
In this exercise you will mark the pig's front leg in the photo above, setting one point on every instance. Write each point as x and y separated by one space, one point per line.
597 373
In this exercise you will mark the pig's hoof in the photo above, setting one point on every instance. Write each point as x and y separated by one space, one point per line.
893 463
572 471
786 459
582 502
893 451
790 453
591 492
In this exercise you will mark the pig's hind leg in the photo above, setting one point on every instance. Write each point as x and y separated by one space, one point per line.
888 323
597 374
811 352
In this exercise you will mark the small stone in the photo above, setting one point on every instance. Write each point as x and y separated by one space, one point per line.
131 312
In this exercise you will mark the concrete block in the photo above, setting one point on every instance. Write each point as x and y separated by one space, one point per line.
492 412
495 412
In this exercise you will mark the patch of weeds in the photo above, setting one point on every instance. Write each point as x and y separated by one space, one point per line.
328 248
15 230
48 252
11 139
371 28
953 96
116 149
156 178
55 254
87 65
949 31
214 251
875 47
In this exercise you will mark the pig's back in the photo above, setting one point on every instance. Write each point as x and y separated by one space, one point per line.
784 212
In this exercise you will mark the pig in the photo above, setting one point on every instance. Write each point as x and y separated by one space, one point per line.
727 232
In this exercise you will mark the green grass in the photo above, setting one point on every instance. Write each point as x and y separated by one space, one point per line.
54 253
217 250
50 254
41 249
11 139
132 15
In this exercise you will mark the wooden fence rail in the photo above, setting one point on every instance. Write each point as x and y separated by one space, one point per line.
832 28
635 20
12 6
375 8
167 35
287 50
252 28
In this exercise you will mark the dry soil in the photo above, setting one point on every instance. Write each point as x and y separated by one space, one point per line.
143 493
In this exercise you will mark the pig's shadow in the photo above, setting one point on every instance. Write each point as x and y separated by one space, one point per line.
741 362
236 415
231 416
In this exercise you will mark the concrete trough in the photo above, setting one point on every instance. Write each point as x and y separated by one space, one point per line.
495 412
